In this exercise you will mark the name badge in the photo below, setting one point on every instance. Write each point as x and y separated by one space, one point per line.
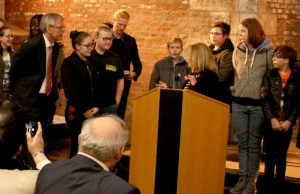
111 68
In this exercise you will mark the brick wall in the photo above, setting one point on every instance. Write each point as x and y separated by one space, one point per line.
286 30
2 8
155 22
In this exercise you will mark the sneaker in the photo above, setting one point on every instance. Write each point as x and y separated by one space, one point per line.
240 185
249 187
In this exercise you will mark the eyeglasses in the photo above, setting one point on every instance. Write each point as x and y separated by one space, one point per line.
107 39
59 27
89 46
278 56
216 33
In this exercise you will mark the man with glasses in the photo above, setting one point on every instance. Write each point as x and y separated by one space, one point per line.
222 49
125 46
32 82
110 82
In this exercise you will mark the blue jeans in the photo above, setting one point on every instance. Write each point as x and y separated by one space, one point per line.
248 121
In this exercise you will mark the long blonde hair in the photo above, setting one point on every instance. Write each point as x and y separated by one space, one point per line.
201 58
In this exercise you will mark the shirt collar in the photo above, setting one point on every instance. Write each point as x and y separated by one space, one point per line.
96 160
121 38
47 42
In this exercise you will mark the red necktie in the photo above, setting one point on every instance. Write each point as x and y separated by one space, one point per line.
49 73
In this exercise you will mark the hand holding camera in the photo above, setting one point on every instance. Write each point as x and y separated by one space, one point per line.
35 143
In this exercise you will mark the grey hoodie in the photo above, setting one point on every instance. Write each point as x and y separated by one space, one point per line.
249 69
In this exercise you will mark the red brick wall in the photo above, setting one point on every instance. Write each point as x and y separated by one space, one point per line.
287 31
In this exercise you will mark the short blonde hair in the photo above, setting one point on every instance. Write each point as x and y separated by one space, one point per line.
201 58
104 28
121 13
175 40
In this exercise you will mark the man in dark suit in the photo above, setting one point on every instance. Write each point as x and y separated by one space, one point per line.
125 46
101 144
31 74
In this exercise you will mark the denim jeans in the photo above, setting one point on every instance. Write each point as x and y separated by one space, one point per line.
248 121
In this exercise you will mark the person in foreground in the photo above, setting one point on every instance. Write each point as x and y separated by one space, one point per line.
16 174
101 144
204 78
280 93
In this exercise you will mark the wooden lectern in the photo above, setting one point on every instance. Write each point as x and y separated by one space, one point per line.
178 143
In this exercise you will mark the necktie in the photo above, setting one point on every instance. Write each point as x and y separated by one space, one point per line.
49 73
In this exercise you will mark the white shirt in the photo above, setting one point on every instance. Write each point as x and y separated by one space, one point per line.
96 160
48 44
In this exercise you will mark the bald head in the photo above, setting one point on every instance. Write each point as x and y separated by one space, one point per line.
103 136
105 127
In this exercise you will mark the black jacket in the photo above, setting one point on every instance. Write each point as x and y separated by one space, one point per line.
127 50
223 58
207 84
272 94
78 82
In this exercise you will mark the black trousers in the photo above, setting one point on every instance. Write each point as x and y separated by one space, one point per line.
276 145
45 106
123 102
74 122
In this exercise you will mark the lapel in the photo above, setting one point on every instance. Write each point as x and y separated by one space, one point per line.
42 51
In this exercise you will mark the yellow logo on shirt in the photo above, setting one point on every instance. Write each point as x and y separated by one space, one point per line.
111 68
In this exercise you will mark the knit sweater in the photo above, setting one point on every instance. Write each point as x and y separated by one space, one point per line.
249 69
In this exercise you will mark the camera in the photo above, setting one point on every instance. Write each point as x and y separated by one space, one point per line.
31 127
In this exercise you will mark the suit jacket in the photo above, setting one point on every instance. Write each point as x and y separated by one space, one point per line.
28 72
18 181
80 174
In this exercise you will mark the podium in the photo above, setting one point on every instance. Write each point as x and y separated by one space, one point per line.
178 143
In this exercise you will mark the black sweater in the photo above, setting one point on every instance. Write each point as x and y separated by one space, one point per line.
77 78
207 84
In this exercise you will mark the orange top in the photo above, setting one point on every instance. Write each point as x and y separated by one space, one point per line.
284 78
